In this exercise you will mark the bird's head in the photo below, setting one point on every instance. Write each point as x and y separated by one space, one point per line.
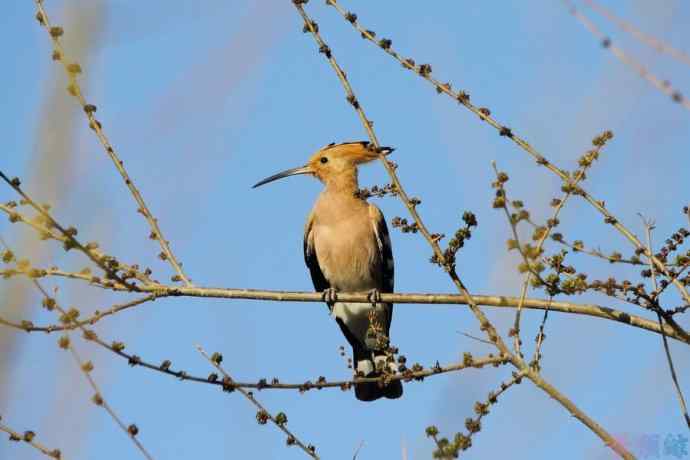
333 162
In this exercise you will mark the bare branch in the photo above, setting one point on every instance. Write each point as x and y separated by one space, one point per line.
29 437
73 70
610 441
262 416
649 226
86 368
593 310
67 235
654 42
662 85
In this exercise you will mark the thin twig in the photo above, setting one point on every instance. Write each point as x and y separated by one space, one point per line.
416 373
359 447
649 226
662 85
91 320
654 42
29 437
66 343
44 232
614 259
536 358
447 449
98 399
72 70
610 441
132 430
69 234
263 415
470 336
681 399
545 231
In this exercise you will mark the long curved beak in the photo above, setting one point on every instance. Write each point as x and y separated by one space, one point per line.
289 172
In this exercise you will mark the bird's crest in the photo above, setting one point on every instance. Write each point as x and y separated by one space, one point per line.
357 152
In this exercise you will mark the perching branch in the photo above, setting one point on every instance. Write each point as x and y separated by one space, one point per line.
160 292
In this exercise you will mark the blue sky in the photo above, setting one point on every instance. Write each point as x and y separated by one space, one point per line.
201 100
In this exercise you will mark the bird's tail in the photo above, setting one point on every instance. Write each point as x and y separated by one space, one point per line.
371 391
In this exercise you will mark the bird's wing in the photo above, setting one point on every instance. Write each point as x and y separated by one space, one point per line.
317 276
383 267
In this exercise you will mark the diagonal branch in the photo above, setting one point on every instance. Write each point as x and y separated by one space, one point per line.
72 70
663 86
262 416
85 367
649 226
66 235
484 114
29 437
649 40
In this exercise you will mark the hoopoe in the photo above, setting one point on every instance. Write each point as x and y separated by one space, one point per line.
347 248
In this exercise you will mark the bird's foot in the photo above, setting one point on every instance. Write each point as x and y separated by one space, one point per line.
374 296
329 295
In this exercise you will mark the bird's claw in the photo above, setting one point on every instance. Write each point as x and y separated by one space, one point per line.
329 295
374 296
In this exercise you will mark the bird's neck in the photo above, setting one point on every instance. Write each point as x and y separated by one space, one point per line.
345 184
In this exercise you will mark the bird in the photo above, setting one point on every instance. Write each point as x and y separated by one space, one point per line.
347 248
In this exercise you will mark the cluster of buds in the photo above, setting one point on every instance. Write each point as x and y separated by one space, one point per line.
376 191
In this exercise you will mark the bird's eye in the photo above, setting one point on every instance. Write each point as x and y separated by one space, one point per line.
323 160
